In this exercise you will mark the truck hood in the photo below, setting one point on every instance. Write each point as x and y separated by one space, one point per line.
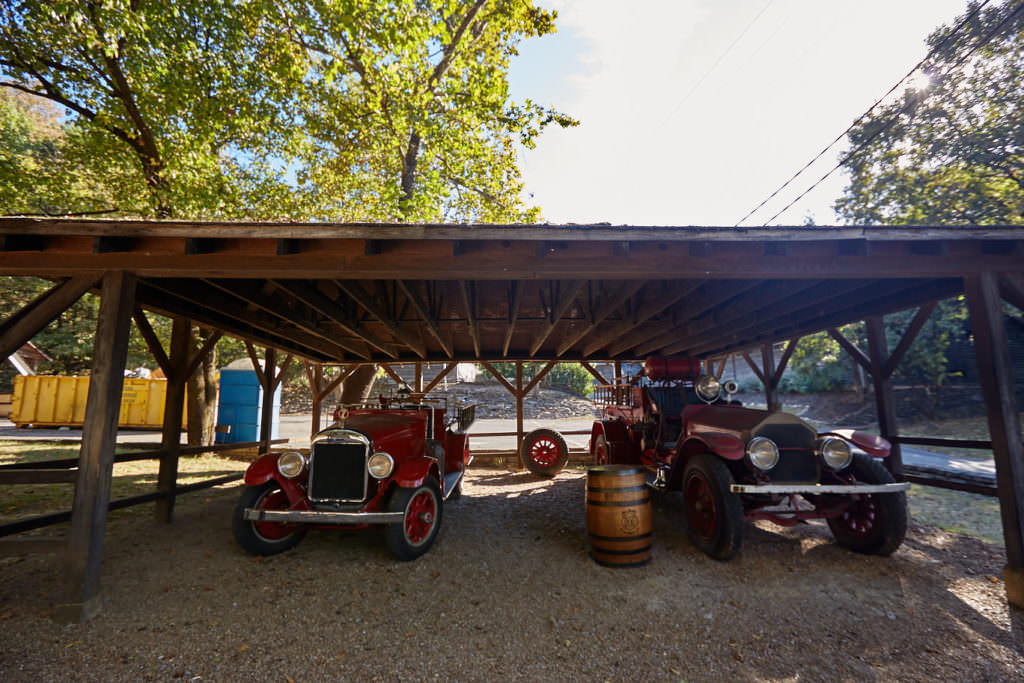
386 430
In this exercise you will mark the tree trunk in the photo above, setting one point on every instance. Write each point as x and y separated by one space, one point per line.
357 388
202 395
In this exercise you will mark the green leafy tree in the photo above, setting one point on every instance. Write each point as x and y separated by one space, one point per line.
407 111
951 152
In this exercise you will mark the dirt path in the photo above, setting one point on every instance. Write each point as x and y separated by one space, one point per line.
509 592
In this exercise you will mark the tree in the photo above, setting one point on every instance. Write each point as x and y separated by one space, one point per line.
951 152
382 109
407 112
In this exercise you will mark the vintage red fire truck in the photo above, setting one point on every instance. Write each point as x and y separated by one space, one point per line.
393 463
733 463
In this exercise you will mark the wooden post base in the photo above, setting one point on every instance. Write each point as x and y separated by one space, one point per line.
1013 577
77 612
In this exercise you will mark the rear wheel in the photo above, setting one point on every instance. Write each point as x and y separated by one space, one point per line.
874 523
544 452
264 538
421 508
715 515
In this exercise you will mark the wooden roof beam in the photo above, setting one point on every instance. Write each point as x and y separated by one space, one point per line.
468 291
379 311
515 299
171 304
424 312
252 293
647 310
561 302
886 301
327 307
607 308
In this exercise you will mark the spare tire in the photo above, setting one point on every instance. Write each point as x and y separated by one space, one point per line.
544 452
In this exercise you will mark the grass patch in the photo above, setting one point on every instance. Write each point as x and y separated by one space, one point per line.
958 512
130 478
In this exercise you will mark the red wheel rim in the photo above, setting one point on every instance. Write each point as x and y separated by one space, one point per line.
700 506
273 531
601 452
420 517
544 452
861 518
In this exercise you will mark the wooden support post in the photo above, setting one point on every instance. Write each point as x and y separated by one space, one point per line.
771 387
995 373
519 413
618 372
174 409
419 378
267 407
878 352
96 458
316 379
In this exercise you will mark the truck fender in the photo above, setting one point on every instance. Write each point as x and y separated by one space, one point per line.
414 472
872 444
458 447
613 430
723 445
265 469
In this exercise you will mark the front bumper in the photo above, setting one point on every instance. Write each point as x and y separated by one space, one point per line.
318 517
813 489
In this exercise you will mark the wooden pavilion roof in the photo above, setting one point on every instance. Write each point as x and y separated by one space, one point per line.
403 292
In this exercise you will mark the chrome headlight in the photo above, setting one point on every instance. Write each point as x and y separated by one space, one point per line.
380 465
291 463
763 453
836 453
708 388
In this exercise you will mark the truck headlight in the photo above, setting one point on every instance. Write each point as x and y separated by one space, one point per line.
291 463
708 388
836 453
763 453
380 465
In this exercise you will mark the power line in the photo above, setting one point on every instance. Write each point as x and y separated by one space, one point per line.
736 40
860 118
888 124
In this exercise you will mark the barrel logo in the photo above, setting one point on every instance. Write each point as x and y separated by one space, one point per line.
630 522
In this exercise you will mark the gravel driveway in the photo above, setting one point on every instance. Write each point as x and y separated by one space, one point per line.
509 592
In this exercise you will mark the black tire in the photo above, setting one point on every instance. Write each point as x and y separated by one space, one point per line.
714 515
544 452
421 508
602 456
874 524
264 538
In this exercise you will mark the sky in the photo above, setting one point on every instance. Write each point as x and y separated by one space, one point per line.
693 111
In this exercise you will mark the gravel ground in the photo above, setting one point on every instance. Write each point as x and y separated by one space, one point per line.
509 592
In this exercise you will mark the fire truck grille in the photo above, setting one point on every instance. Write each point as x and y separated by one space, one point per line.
337 472
797 460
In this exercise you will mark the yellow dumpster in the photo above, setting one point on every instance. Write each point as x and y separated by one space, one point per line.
52 401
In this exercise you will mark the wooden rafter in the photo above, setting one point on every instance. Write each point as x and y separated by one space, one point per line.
380 311
662 301
327 307
515 299
560 304
428 319
468 292
601 314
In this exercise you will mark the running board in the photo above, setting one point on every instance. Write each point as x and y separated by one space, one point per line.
803 489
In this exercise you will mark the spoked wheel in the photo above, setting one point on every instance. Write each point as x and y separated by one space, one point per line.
421 508
874 523
601 453
715 515
264 538
544 452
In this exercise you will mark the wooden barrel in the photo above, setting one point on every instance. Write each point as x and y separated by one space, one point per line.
618 516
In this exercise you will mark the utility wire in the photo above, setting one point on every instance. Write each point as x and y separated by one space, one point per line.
888 124
722 56
863 116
